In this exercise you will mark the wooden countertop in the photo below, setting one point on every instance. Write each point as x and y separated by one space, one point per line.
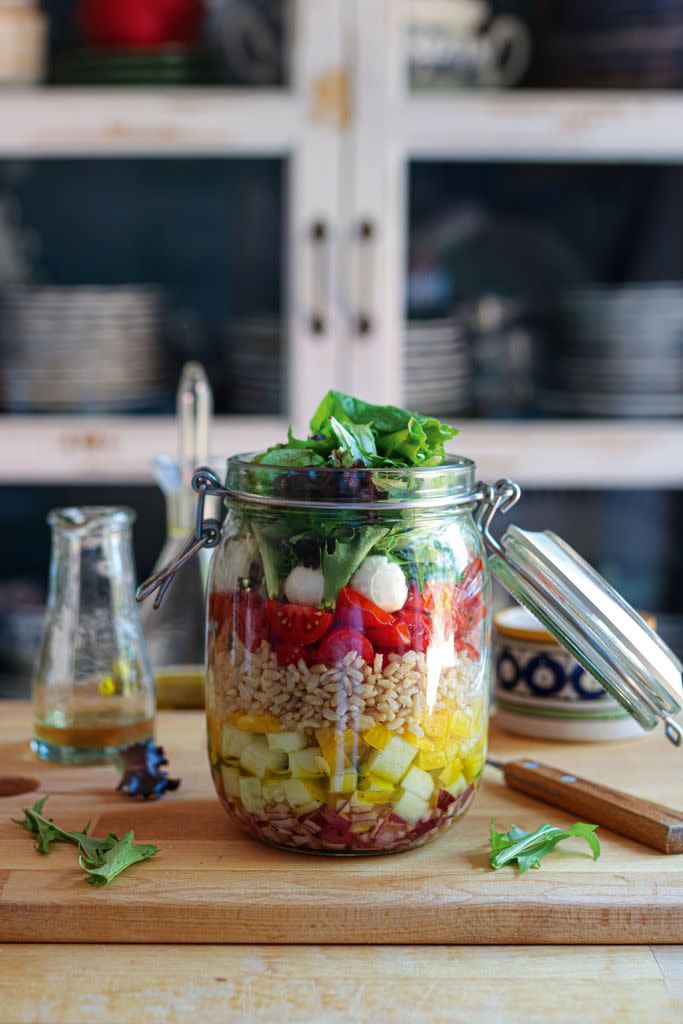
176 983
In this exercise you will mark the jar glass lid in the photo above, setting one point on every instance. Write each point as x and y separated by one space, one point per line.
592 621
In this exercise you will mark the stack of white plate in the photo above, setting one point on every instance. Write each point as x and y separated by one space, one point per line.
81 348
616 353
254 357
436 367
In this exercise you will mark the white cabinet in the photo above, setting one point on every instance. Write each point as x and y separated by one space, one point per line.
347 128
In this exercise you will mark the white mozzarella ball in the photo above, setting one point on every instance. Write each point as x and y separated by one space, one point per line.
304 586
382 581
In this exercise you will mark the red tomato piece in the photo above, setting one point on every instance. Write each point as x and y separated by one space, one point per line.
395 637
339 642
221 604
250 618
468 649
420 629
291 654
416 601
359 612
297 623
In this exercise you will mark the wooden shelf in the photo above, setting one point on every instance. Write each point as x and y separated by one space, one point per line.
539 125
553 454
135 121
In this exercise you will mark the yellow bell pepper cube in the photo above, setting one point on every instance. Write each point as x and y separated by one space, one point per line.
371 796
461 724
436 723
335 747
378 736
258 723
428 760
451 772
418 741
472 764
375 784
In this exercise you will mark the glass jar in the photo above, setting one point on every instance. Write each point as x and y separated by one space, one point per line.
348 645
93 690
348 655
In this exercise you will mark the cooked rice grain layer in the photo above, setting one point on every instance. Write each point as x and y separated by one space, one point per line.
395 690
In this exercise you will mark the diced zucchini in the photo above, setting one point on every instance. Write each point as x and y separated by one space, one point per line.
418 782
273 791
457 787
343 782
233 741
230 777
393 761
251 795
297 793
258 758
305 764
286 741
410 807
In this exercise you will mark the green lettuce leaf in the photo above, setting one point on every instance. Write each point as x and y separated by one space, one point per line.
527 848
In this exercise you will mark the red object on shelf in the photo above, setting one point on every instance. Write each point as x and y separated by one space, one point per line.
139 23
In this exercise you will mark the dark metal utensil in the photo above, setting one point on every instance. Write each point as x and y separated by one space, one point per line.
642 820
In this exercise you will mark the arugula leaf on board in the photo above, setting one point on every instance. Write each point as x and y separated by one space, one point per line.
120 855
527 848
99 856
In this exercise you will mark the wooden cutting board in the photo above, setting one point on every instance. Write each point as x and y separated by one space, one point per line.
210 883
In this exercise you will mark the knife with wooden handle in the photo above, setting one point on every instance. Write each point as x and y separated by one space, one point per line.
642 820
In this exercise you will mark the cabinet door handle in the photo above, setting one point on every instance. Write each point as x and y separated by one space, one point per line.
318 317
364 320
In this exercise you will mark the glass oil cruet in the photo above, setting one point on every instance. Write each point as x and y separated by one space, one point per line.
93 690
175 632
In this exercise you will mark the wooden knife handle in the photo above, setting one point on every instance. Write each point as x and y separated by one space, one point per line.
648 823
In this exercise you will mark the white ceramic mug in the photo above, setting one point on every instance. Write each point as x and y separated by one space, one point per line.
455 42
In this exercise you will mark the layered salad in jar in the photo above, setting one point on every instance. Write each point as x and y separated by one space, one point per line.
347 655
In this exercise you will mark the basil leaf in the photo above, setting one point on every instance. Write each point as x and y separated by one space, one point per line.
528 848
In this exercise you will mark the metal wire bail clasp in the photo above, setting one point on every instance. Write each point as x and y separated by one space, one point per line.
206 534
498 497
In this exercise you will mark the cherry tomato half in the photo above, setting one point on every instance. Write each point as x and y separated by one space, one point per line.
339 642
358 612
420 628
250 618
395 637
291 654
416 601
297 623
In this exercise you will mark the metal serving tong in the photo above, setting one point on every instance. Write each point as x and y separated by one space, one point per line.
642 820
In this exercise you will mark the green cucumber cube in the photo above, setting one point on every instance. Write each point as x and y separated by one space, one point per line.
273 791
410 807
393 762
419 782
344 782
231 780
286 741
297 794
458 787
305 764
258 758
233 741
251 795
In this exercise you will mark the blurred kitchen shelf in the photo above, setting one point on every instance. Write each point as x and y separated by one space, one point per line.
164 122
561 125
539 453
542 125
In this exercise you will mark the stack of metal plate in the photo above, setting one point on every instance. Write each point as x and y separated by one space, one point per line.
254 365
615 353
613 43
85 349
436 367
